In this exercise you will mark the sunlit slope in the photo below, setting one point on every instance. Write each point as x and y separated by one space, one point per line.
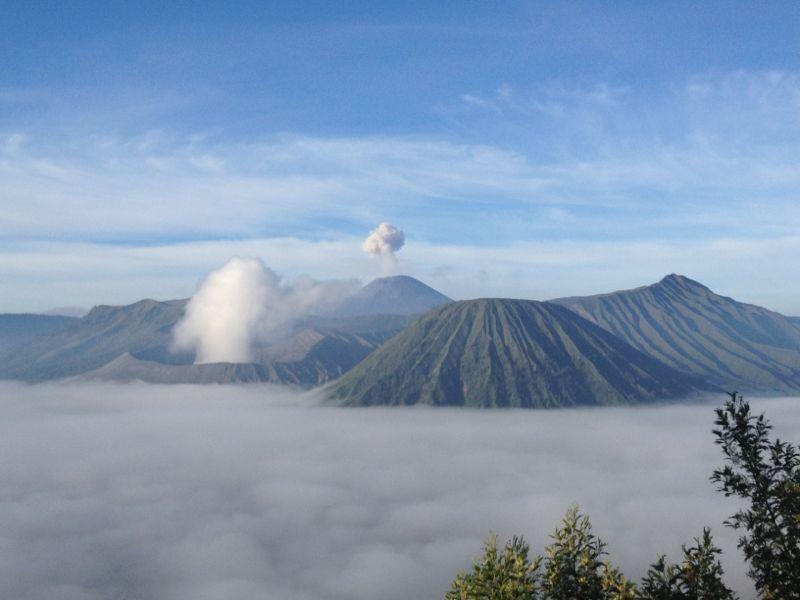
492 352
689 327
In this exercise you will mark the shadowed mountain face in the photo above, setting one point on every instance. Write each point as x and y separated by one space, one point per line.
519 353
687 326
133 342
17 329
400 295
307 358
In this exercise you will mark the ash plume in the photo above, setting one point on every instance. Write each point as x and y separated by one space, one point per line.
384 241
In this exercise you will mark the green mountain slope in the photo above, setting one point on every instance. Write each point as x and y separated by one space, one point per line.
687 326
519 353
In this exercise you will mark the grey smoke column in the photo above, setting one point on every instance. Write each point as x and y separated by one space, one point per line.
384 241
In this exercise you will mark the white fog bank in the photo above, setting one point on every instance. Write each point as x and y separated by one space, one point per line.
235 493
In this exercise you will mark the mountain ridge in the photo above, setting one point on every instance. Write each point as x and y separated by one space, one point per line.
686 325
505 352
319 348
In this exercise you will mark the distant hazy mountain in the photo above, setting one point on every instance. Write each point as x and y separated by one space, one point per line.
67 311
488 352
687 326
17 329
522 353
143 328
399 295
37 347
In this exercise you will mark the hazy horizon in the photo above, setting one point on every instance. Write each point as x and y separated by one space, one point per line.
75 311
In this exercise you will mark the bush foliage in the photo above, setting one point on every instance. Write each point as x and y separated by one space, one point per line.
765 473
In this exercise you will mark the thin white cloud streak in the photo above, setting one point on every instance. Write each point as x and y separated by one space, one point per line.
755 109
114 189
110 188
751 270
725 146
182 492
708 172
714 139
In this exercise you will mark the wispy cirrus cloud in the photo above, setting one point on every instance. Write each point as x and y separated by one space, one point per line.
117 189
156 185
711 161
730 124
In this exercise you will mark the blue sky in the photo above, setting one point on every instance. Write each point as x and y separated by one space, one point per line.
527 149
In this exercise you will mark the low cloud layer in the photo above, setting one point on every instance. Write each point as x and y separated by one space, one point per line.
384 241
234 493
244 304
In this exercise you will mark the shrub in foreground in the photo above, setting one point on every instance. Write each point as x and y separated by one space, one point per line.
766 474
762 472
575 567
698 576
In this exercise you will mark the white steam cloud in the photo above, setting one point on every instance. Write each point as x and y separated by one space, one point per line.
384 241
245 304
242 492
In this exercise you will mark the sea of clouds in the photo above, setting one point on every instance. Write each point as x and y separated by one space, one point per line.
227 493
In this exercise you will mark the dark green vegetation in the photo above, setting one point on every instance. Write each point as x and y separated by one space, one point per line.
519 353
575 567
698 575
687 326
764 473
